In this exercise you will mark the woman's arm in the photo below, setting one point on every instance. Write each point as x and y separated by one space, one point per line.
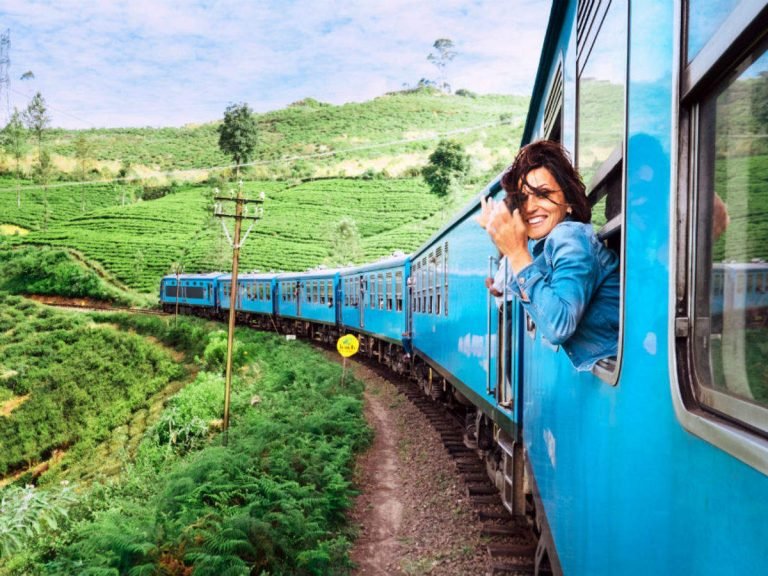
557 287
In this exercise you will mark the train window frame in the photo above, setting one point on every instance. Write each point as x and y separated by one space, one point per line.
438 279
445 278
609 180
389 291
398 291
728 423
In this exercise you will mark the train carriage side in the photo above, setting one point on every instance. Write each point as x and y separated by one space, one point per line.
455 320
373 304
306 302
189 292
255 298
657 462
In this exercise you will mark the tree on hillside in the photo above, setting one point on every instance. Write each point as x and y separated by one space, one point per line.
14 138
36 118
345 242
444 56
447 165
238 133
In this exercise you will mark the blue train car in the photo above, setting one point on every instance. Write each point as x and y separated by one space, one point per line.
256 294
657 462
455 322
309 297
374 304
189 292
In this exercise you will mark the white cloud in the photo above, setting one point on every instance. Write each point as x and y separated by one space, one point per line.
160 62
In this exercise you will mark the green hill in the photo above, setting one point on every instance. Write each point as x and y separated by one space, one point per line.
316 164
393 132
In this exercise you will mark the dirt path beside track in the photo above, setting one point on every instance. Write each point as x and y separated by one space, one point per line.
413 513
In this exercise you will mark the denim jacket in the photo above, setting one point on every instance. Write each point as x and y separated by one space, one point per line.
571 291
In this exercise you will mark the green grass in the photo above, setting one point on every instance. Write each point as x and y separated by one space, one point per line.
81 382
189 504
313 128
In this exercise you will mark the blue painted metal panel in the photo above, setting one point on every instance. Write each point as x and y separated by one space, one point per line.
626 490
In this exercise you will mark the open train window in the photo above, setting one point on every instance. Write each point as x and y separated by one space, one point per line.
602 37
389 290
722 311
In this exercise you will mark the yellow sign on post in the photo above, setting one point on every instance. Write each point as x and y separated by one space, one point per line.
348 345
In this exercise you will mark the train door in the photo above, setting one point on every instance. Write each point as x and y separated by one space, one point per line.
297 296
362 288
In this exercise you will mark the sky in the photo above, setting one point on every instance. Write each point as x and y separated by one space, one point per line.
101 63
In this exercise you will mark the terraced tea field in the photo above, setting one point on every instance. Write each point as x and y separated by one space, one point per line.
138 244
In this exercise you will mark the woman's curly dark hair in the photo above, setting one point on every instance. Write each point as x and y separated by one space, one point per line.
552 156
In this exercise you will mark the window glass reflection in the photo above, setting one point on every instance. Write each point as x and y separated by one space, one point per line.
704 18
601 94
734 156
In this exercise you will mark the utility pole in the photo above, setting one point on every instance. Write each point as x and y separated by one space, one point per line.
241 213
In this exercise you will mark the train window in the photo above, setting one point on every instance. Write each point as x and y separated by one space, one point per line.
380 291
389 290
430 281
602 56
415 280
398 291
424 286
438 279
329 287
729 250
322 292
601 95
553 111
445 279
268 290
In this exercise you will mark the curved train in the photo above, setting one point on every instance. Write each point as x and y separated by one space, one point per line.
653 462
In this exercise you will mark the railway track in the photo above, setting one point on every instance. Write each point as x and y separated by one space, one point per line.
510 542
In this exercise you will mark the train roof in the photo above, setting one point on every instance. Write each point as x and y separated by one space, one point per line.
192 276
393 261
250 276
323 273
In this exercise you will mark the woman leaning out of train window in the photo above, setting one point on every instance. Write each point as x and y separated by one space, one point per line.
567 281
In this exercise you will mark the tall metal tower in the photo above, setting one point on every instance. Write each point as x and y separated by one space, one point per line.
5 80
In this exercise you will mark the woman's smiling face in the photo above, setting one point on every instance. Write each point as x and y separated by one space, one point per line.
545 208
